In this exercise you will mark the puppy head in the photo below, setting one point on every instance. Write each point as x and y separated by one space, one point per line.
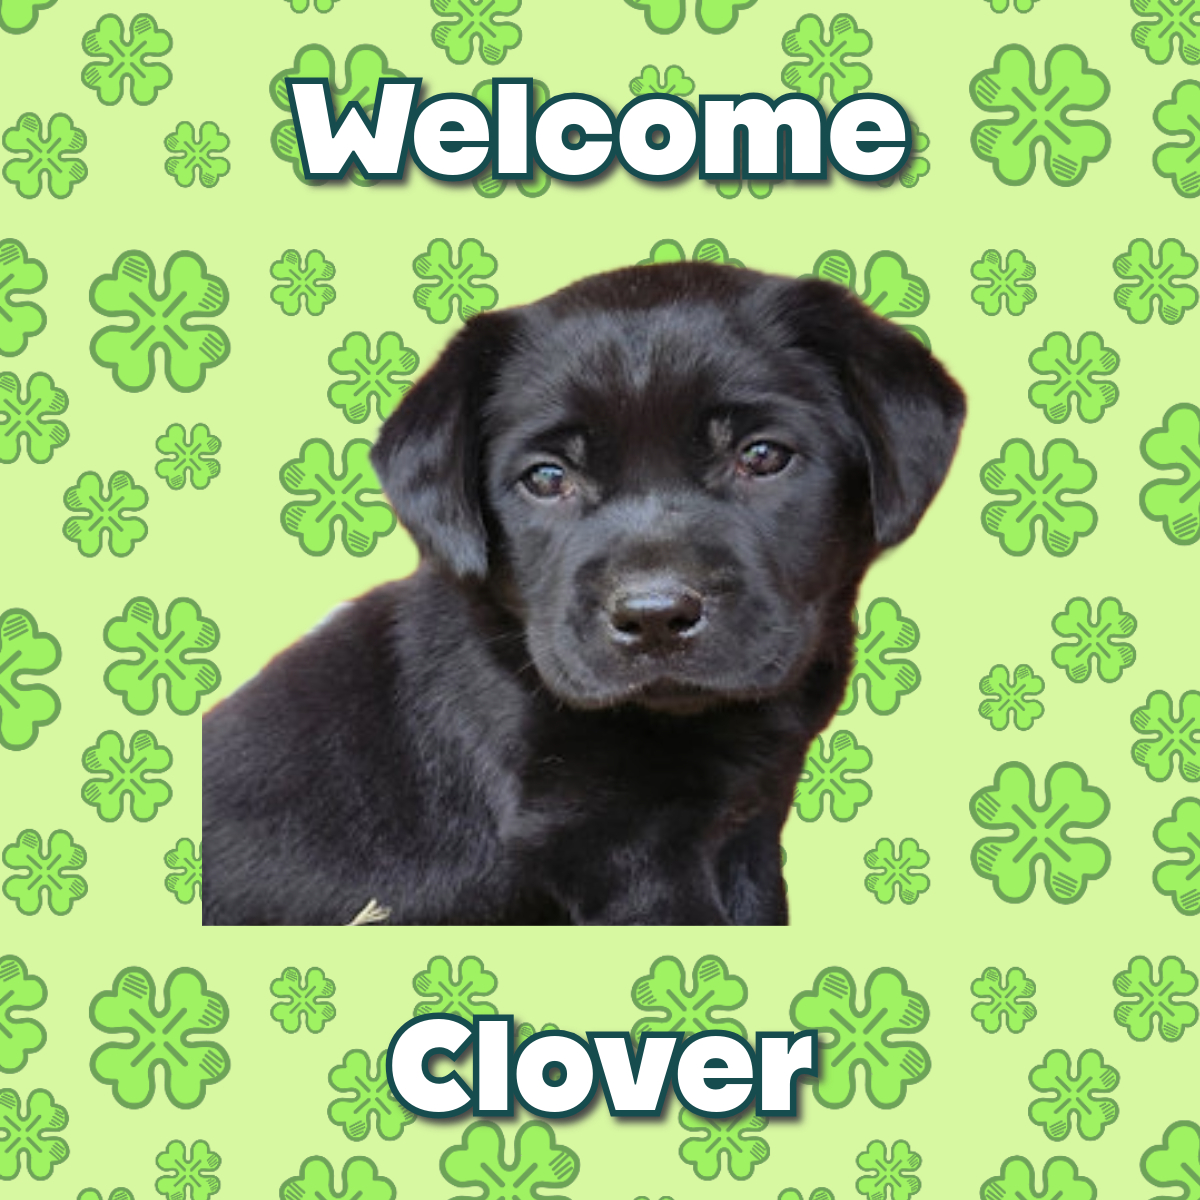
673 476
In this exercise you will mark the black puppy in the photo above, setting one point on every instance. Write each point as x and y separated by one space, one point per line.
644 506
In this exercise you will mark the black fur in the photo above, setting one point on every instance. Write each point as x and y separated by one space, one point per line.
588 707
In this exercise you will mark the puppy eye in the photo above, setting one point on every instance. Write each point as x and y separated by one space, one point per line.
763 458
546 481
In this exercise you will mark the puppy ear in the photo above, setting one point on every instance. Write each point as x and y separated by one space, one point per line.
906 405
428 453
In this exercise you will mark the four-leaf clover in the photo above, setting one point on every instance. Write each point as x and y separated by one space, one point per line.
316 1181
105 511
161 1037
445 994
197 155
335 499
1147 998
449 281
19 992
20 275
25 707
1040 115
476 22
1095 641
1074 377
32 420
302 1001
1151 281
539 1163
160 321
1040 832
1172 22
366 66
371 1096
168 655
891 1174
1175 446
685 1010
303 281
126 775
189 456
862 1037
1005 282
829 775
1176 1161
1010 696
897 871
126 58
50 871
1018 1180
888 288
1074 1095
734 1141
186 875
1038 499
713 16
45 155
886 678
377 377
1172 737
825 60
190 1174
31 1134
1004 998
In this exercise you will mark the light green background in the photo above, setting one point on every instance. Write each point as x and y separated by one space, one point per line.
975 605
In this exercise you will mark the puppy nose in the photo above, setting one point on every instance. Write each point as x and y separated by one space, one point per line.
655 616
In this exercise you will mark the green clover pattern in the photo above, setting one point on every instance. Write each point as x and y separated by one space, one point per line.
197 154
190 1174
190 456
886 678
1175 446
105 511
1010 694
49 157
1040 832
126 58
1005 282
302 1001
334 499
1174 739
160 321
1148 1001
378 377
450 284
1038 499
169 655
897 871
730 1142
1098 642
476 24
1040 115
185 877
446 991
31 1134
861 1037
126 776
1149 281
1075 377
31 420
19 992
891 1174
161 1038
680 1009
303 282
1004 1000
20 275
824 63
1078 1095
49 872
370 1096
832 775
541 1165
